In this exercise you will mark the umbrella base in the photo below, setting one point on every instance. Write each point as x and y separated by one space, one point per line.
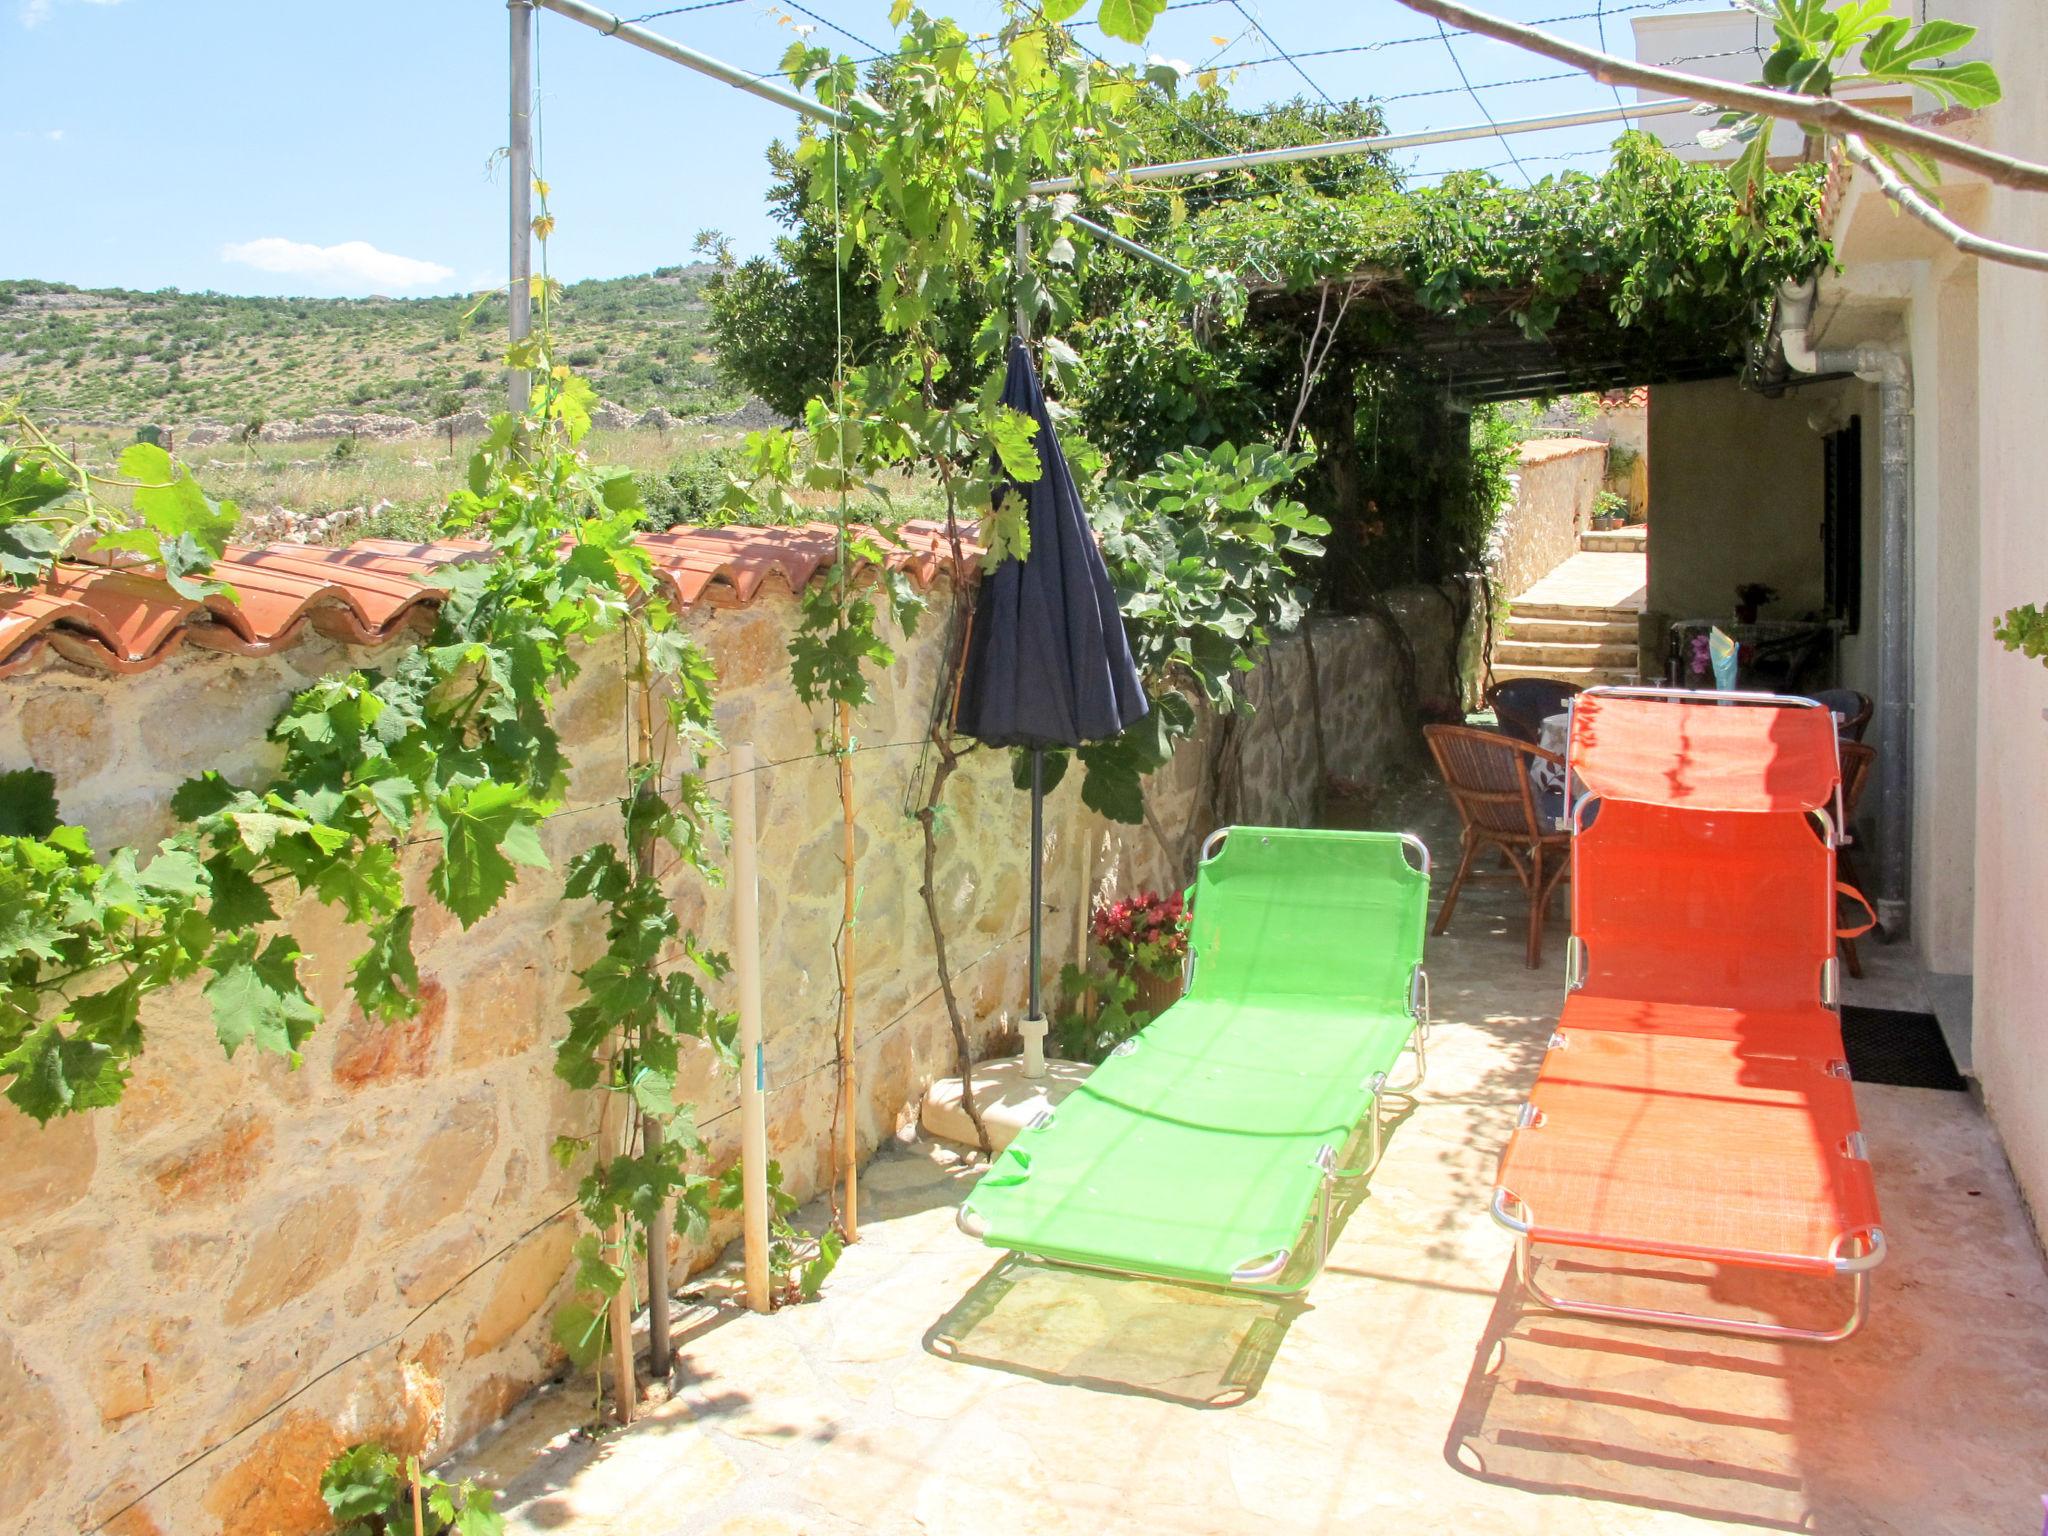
1033 1029
1007 1099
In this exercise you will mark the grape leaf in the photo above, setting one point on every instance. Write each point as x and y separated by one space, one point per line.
580 1329
54 1074
27 551
28 803
256 995
484 829
238 901
386 977
1129 20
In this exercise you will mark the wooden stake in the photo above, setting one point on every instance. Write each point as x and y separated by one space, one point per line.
659 1355
746 965
626 1385
419 1516
849 1130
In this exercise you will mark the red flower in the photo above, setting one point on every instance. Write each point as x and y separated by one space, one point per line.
1147 931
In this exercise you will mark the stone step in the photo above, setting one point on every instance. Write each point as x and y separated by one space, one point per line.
1529 653
1585 677
1522 608
1615 541
1616 629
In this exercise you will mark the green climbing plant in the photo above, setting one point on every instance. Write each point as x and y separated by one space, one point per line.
1208 554
452 746
1652 250
52 506
2024 631
371 1491
918 156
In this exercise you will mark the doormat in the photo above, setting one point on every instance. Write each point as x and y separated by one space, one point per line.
1906 1050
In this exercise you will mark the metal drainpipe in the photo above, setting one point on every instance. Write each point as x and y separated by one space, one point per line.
1889 366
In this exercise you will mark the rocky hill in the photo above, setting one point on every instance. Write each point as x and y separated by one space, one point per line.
220 363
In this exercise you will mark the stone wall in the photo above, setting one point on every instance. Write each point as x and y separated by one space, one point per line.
211 1288
1556 485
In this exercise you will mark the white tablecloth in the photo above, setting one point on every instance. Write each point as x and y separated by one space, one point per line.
1547 778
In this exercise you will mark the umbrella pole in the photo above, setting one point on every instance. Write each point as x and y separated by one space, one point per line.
1033 1027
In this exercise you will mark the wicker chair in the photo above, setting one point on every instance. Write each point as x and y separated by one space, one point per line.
1522 704
1857 761
1487 773
1852 707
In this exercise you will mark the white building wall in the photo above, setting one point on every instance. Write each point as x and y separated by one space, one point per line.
1978 333
1947 643
2011 1038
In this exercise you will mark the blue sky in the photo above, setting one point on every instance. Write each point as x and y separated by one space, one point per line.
256 147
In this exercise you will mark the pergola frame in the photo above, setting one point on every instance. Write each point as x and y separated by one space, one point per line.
519 306
1509 385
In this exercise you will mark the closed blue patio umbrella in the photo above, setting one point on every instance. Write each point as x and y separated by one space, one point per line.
1048 664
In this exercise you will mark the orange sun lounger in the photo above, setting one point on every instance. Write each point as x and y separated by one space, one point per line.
1695 1100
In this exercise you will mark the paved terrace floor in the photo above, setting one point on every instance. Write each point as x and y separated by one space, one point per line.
1416 1391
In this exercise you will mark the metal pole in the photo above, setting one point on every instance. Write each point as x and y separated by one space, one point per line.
604 21
1037 868
1023 260
1379 141
519 162
601 20
659 1354
1895 654
746 964
849 1050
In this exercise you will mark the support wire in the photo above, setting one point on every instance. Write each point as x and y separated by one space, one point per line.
1261 28
1458 65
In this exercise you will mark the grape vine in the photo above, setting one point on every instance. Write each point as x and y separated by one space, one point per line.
452 746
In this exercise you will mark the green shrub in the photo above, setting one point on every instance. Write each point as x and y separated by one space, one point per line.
417 522
692 489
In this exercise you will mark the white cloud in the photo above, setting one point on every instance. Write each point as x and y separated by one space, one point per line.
351 264
34 13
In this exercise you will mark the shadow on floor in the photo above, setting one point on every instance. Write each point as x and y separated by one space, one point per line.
1114 1333
1561 1405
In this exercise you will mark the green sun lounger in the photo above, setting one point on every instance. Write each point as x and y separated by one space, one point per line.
1206 1148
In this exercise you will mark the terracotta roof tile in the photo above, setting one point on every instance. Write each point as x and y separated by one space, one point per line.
118 620
114 618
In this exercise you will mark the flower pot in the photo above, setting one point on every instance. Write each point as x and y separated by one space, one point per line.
1155 993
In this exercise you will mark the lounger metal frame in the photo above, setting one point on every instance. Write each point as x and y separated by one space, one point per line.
1856 1265
1262 1273
1869 1241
